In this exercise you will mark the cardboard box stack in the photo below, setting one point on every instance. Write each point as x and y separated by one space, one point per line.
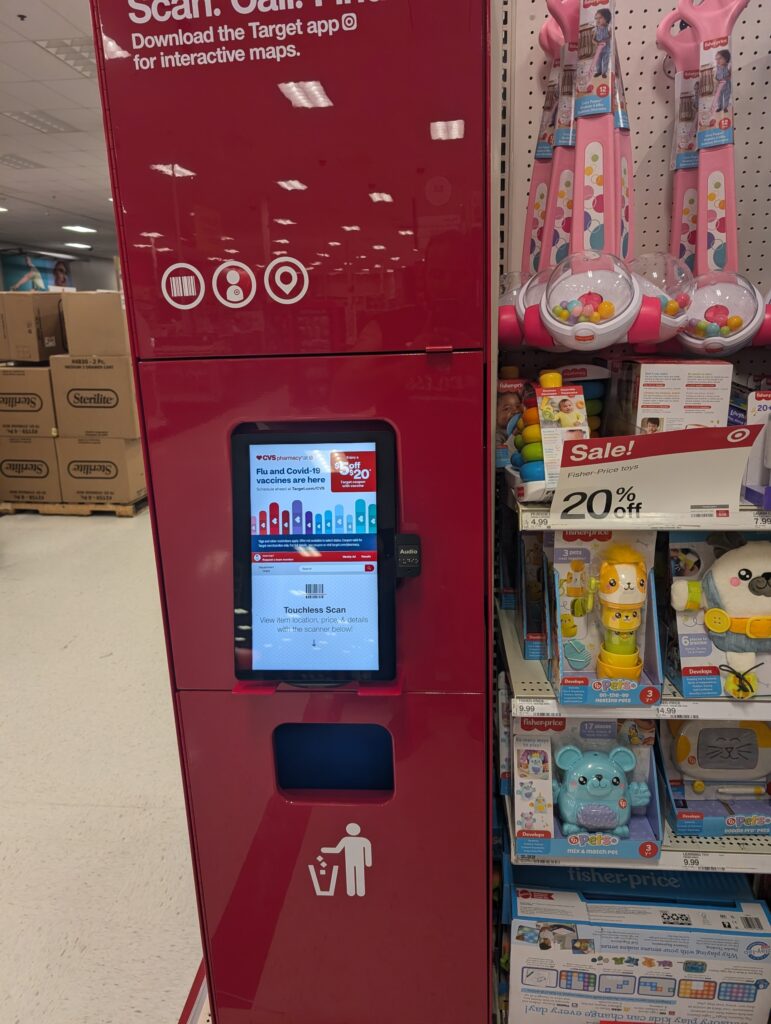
98 447
30 333
69 431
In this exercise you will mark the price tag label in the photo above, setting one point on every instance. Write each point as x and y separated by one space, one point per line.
533 518
682 478
535 707
679 709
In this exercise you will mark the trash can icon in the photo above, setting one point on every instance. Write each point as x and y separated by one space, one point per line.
324 881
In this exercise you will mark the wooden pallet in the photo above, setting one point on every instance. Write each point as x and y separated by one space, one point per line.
66 508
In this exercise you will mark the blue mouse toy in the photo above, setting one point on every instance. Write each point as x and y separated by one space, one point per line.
594 795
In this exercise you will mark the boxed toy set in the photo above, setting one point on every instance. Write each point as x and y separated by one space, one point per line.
532 617
585 788
651 395
718 638
565 405
717 776
653 947
605 621
509 401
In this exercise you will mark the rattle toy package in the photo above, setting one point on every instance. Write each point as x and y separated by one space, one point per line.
585 788
629 947
718 636
718 776
532 618
604 613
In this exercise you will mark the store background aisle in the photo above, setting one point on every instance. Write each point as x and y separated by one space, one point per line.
96 890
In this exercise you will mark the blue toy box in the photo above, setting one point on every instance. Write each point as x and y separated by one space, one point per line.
547 818
623 947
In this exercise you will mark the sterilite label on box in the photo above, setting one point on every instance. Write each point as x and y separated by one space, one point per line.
353 471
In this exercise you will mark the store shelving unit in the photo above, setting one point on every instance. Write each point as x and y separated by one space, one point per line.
532 696
748 854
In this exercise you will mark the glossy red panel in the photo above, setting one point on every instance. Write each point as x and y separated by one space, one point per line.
435 406
414 947
340 110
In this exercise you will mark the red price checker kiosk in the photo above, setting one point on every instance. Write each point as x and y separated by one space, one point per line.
301 197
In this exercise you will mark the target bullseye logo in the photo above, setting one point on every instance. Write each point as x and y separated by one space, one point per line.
286 280
234 284
737 436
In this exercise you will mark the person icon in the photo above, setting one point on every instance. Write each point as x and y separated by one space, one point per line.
358 857
235 292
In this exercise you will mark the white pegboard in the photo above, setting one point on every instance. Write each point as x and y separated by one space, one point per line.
649 96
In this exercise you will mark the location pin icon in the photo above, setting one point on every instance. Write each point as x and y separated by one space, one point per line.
286 279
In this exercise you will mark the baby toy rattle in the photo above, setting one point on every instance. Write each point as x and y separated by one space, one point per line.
595 795
734 592
622 587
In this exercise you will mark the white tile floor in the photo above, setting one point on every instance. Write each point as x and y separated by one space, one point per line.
97 913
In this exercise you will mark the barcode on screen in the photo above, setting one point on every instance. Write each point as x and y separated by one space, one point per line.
183 287
314 589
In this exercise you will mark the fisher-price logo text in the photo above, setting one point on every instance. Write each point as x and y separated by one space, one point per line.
529 894
572 536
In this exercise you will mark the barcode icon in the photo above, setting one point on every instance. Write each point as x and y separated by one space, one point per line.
183 287
752 924
314 589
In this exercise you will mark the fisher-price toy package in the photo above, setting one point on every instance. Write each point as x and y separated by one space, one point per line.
596 58
553 416
716 110
717 776
647 947
605 626
508 405
532 618
750 405
585 788
650 395
718 624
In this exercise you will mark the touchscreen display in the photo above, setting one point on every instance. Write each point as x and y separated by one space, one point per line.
314 557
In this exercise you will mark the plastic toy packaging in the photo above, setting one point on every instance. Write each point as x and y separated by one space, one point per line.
718 776
565 405
719 627
585 784
606 618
